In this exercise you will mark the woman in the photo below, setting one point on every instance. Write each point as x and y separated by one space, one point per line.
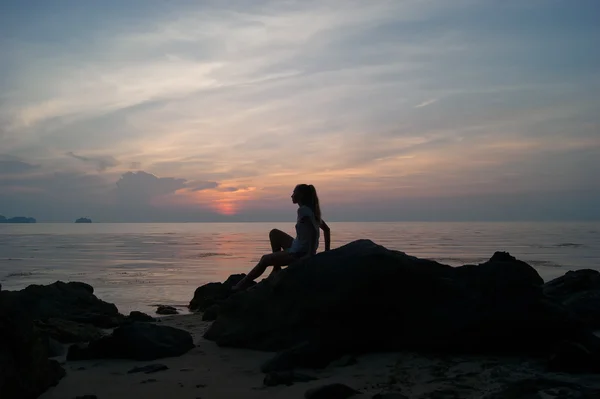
286 249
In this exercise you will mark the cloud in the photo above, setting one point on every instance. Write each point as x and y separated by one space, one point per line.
136 188
16 167
205 185
267 94
101 163
427 102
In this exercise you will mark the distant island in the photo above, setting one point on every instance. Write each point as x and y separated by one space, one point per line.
83 220
17 219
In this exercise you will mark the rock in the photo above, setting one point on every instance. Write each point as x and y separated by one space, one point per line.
72 301
66 331
410 303
166 310
137 341
213 293
149 369
53 347
140 316
331 391
25 370
286 378
543 388
211 313
344 361
573 282
306 355
574 357
579 292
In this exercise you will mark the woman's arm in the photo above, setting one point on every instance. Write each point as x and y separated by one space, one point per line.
326 235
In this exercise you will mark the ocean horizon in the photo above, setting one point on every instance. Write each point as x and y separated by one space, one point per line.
139 265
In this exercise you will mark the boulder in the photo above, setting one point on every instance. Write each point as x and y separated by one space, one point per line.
579 292
137 341
363 297
213 293
25 370
73 301
65 331
139 316
166 310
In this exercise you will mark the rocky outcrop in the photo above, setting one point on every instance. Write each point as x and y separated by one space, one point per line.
212 294
65 331
166 310
364 297
139 316
25 370
579 292
72 301
137 341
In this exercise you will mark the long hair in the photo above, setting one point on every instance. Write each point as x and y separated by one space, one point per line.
309 196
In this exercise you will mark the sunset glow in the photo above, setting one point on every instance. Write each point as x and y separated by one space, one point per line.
194 111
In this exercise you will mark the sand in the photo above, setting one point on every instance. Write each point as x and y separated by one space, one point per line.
211 372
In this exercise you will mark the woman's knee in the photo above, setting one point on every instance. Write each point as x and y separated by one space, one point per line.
273 234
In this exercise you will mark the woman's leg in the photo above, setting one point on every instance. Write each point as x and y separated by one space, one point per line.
280 241
276 259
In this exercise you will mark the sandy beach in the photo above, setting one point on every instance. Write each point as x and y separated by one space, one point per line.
212 372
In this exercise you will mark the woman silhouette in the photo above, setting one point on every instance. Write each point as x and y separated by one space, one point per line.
286 249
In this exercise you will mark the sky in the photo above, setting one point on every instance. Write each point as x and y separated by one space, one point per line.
173 111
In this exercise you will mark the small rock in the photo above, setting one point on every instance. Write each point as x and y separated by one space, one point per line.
166 310
201 386
331 391
148 381
186 369
148 369
140 316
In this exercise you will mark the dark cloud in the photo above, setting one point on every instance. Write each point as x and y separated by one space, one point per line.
100 163
204 185
140 187
229 189
16 167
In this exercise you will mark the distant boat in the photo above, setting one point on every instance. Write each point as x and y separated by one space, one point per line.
83 220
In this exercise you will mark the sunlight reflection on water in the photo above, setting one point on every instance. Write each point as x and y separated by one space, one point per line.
136 265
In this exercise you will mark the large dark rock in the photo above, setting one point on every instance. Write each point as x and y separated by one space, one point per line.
72 301
211 294
137 341
579 292
364 297
66 331
25 371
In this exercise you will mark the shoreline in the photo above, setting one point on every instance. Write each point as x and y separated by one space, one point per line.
210 371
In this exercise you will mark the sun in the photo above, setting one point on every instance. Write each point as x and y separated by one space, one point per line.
225 207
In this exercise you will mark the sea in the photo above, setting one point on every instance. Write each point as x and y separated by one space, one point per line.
138 266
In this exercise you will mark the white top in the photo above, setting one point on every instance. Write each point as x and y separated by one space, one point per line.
301 243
